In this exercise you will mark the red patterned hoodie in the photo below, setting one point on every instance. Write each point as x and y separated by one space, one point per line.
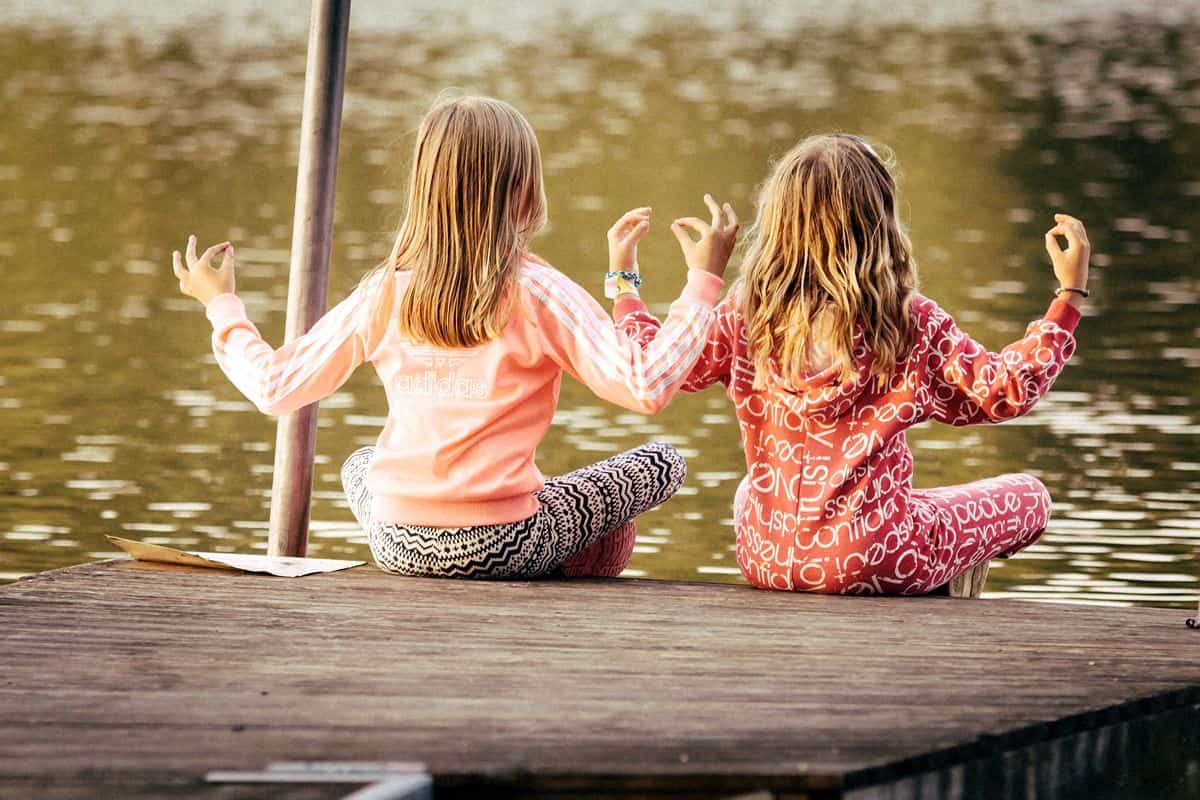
827 503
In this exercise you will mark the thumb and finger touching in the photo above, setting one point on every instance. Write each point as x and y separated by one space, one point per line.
693 223
638 231
212 252
198 275
1070 262
630 228
681 234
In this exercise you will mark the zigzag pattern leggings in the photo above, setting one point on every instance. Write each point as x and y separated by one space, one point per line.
577 509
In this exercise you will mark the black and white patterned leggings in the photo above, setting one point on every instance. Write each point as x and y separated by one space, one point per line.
578 510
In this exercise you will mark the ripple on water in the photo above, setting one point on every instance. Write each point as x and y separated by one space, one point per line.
967 106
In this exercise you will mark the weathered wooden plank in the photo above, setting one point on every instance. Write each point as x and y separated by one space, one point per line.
556 685
157 787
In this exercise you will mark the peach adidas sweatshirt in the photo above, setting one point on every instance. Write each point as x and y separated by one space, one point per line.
463 424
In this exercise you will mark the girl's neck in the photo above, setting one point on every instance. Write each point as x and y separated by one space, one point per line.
820 355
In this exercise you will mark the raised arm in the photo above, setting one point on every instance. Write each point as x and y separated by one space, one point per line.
970 385
579 336
716 355
630 313
307 369
303 371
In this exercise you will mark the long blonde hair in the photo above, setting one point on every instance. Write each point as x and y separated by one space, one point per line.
828 258
475 201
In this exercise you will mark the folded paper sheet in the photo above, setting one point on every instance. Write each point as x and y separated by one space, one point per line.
283 566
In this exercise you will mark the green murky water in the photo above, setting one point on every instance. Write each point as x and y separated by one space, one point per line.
122 135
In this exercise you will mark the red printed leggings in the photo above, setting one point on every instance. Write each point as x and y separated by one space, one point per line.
952 529
968 524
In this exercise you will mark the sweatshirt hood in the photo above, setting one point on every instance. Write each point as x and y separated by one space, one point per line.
823 396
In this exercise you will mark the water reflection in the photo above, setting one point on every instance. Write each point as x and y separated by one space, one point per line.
117 421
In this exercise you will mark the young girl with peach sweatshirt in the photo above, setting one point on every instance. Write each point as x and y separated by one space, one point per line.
470 334
829 355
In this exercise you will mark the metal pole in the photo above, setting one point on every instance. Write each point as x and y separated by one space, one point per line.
312 233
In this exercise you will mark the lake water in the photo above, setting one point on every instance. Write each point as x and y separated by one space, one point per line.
122 134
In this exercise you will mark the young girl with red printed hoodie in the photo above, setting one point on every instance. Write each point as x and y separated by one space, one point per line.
829 355
470 334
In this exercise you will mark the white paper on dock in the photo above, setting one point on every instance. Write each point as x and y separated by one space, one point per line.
283 566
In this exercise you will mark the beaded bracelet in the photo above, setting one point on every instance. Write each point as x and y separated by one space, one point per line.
632 277
616 277
1080 292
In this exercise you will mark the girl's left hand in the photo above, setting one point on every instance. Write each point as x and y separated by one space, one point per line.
623 238
200 279
712 252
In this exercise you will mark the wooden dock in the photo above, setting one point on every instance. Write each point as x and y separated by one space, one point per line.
134 681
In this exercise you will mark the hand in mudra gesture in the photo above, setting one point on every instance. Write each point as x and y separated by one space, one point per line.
711 253
198 277
1070 264
623 238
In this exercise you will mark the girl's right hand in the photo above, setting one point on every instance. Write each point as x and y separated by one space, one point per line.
198 277
1070 265
623 238
717 239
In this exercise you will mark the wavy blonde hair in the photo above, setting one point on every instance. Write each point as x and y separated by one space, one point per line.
827 257
475 200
